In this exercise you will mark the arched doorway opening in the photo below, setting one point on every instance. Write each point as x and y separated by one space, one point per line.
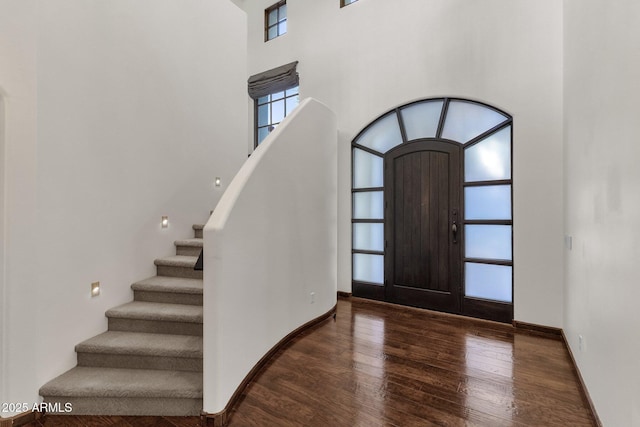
432 222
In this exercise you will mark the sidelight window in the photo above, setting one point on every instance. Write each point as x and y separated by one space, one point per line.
488 224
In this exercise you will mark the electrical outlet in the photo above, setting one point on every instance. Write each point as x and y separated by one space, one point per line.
312 296
568 242
582 345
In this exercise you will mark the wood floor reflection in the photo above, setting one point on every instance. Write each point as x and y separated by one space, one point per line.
385 365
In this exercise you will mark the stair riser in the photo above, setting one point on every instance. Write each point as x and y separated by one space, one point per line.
197 234
188 272
155 326
168 297
128 406
139 362
188 250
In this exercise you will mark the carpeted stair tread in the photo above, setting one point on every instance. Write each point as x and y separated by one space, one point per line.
177 261
141 310
110 382
143 344
169 284
189 247
149 362
196 243
198 226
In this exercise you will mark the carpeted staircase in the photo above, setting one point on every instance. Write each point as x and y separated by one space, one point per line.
149 362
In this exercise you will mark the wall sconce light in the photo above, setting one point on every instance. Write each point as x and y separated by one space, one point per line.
95 289
217 182
165 221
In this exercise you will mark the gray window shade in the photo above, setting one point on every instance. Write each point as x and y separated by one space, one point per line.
274 80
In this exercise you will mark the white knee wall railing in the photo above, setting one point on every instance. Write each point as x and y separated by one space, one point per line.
270 249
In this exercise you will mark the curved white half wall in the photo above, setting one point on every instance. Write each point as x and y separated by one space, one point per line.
270 249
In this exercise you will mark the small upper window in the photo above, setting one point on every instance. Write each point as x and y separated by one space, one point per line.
275 20
344 3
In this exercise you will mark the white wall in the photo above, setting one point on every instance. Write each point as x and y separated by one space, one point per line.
2 247
602 65
373 55
269 245
18 32
116 115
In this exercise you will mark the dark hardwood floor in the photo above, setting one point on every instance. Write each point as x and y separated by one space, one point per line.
384 365
86 421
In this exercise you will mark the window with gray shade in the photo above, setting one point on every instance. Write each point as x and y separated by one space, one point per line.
344 3
276 94
272 109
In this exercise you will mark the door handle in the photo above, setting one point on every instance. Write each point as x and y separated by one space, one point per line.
454 230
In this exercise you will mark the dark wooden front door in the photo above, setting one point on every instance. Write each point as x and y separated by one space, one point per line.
422 223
